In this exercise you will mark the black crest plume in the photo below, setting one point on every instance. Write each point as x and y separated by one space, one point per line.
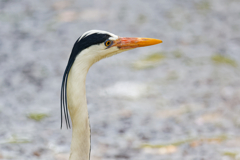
82 43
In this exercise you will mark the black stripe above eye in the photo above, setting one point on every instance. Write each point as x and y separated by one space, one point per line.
85 42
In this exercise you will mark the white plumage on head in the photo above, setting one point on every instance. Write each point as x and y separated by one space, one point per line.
113 36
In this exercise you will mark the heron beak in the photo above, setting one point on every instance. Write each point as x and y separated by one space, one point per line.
131 43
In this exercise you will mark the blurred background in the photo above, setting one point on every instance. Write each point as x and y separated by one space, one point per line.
173 101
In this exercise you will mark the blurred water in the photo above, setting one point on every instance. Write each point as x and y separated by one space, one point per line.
190 107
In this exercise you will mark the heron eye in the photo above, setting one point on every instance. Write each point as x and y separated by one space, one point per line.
107 43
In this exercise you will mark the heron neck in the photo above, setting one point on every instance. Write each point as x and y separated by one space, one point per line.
77 106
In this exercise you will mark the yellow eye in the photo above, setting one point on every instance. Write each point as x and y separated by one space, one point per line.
107 43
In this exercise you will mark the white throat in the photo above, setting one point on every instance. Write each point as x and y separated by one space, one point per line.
77 105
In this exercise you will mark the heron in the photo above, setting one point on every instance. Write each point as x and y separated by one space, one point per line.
89 48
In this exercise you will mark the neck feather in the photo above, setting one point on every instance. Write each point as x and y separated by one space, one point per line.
77 105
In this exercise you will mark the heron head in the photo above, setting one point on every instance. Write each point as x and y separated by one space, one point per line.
95 45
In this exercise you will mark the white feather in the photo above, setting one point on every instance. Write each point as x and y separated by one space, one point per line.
113 36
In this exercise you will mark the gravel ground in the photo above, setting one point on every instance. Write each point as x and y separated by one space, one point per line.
184 101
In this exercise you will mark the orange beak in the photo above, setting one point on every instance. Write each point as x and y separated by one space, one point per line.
131 43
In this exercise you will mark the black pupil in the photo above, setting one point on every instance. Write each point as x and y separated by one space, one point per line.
108 42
